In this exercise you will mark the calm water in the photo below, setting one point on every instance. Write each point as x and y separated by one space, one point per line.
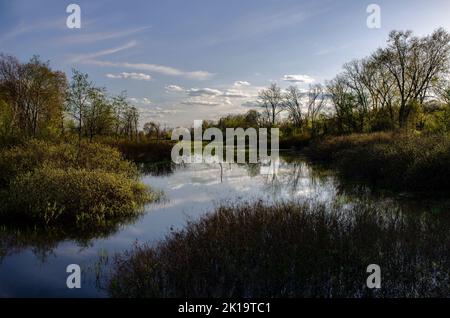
33 263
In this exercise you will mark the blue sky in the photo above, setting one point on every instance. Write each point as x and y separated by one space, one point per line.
181 60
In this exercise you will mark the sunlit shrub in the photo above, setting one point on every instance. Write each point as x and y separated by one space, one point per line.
49 194
26 157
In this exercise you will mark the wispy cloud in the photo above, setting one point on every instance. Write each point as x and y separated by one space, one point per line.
101 36
140 100
34 26
200 102
161 69
90 56
135 76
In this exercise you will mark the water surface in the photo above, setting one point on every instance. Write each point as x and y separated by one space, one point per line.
33 263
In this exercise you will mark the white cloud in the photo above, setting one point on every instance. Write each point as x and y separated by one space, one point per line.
175 89
161 69
201 102
135 76
241 83
298 78
140 100
203 92
234 93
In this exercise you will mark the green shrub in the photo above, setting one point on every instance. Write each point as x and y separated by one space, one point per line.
71 195
26 157
62 183
292 250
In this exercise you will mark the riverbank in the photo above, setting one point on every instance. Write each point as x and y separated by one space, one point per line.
392 160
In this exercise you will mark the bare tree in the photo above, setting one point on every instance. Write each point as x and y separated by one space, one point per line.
271 100
315 103
414 63
152 128
293 103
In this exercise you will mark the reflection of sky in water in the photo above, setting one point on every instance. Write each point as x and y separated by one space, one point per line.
190 192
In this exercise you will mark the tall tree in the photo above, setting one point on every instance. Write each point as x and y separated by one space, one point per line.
294 105
80 90
271 100
414 63
34 93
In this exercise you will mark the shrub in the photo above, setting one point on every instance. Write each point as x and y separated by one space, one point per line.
325 150
297 141
50 195
402 162
26 157
62 183
291 250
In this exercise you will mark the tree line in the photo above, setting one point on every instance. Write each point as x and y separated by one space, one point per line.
404 85
37 101
400 86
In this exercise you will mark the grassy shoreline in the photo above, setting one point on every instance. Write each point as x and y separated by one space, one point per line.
395 161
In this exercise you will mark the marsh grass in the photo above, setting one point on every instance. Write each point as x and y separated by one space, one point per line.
291 250
400 162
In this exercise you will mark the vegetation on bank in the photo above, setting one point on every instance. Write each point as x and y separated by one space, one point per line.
292 250
49 182
52 169
396 161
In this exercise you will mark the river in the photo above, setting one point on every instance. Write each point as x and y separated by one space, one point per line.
33 263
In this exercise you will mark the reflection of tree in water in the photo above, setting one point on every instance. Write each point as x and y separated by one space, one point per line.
295 174
42 240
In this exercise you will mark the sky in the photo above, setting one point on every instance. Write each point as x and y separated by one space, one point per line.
184 60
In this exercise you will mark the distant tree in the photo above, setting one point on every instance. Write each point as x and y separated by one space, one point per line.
131 122
316 103
271 100
99 115
294 105
152 129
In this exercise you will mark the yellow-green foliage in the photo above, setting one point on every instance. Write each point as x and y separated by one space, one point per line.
74 195
26 157
54 182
